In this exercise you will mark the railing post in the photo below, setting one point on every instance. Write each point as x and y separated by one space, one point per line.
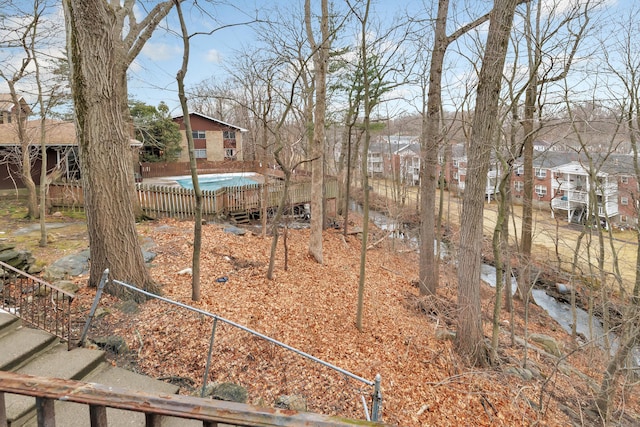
206 369
92 312
3 411
45 412
152 420
377 400
98 416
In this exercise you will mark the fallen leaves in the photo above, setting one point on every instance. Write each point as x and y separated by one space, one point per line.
311 307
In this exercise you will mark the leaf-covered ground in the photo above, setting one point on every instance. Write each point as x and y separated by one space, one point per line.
312 307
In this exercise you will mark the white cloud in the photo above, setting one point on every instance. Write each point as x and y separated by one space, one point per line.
161 51
213 56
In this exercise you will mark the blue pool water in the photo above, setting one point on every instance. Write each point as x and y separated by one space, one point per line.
215 182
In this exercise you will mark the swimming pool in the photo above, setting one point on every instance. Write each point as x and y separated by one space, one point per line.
220 180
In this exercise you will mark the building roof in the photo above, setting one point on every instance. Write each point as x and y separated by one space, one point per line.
57 133
213 120
411 149
551 159
6 103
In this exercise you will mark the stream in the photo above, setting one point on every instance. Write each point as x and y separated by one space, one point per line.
559 311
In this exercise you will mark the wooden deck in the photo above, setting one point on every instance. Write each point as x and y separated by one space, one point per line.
159 201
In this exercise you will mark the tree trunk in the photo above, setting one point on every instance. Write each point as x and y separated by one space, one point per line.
429 264
27 179
99 65
470 338
25 150
193 166
524 278
320 60
613 369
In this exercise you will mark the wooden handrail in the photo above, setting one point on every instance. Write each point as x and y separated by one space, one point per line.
209 411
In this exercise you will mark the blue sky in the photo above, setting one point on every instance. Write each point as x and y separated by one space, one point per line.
152 76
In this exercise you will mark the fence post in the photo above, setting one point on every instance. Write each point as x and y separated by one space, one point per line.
206 369
377 400
92 312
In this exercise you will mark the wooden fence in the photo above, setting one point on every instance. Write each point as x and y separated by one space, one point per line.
177 202
155 170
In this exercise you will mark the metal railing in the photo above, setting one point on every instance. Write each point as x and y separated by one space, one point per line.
38 303
376 395
154 407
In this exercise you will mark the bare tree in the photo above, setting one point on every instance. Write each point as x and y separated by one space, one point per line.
320 62
197 192
546 37
469 337
431 141
367 104
622 58
103 38
25 40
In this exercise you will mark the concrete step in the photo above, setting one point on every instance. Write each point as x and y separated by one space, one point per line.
77 415
58 362
8 323
21 345
35 352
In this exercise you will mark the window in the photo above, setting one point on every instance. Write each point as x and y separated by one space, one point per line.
520 170
518 186
200 153
623 218
199 134
541 173
624 201
624 179
541 190
229 134
455 163
229 153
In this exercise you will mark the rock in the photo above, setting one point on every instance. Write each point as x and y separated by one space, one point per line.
128 307
148 256
445 334
295 402
35 269
6 247
72 265
67 286
229 392
8 255
57 214
184 272
235 230
20 259
208 390
112 343
563 288
549 344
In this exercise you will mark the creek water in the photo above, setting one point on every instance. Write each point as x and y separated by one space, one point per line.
557 310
